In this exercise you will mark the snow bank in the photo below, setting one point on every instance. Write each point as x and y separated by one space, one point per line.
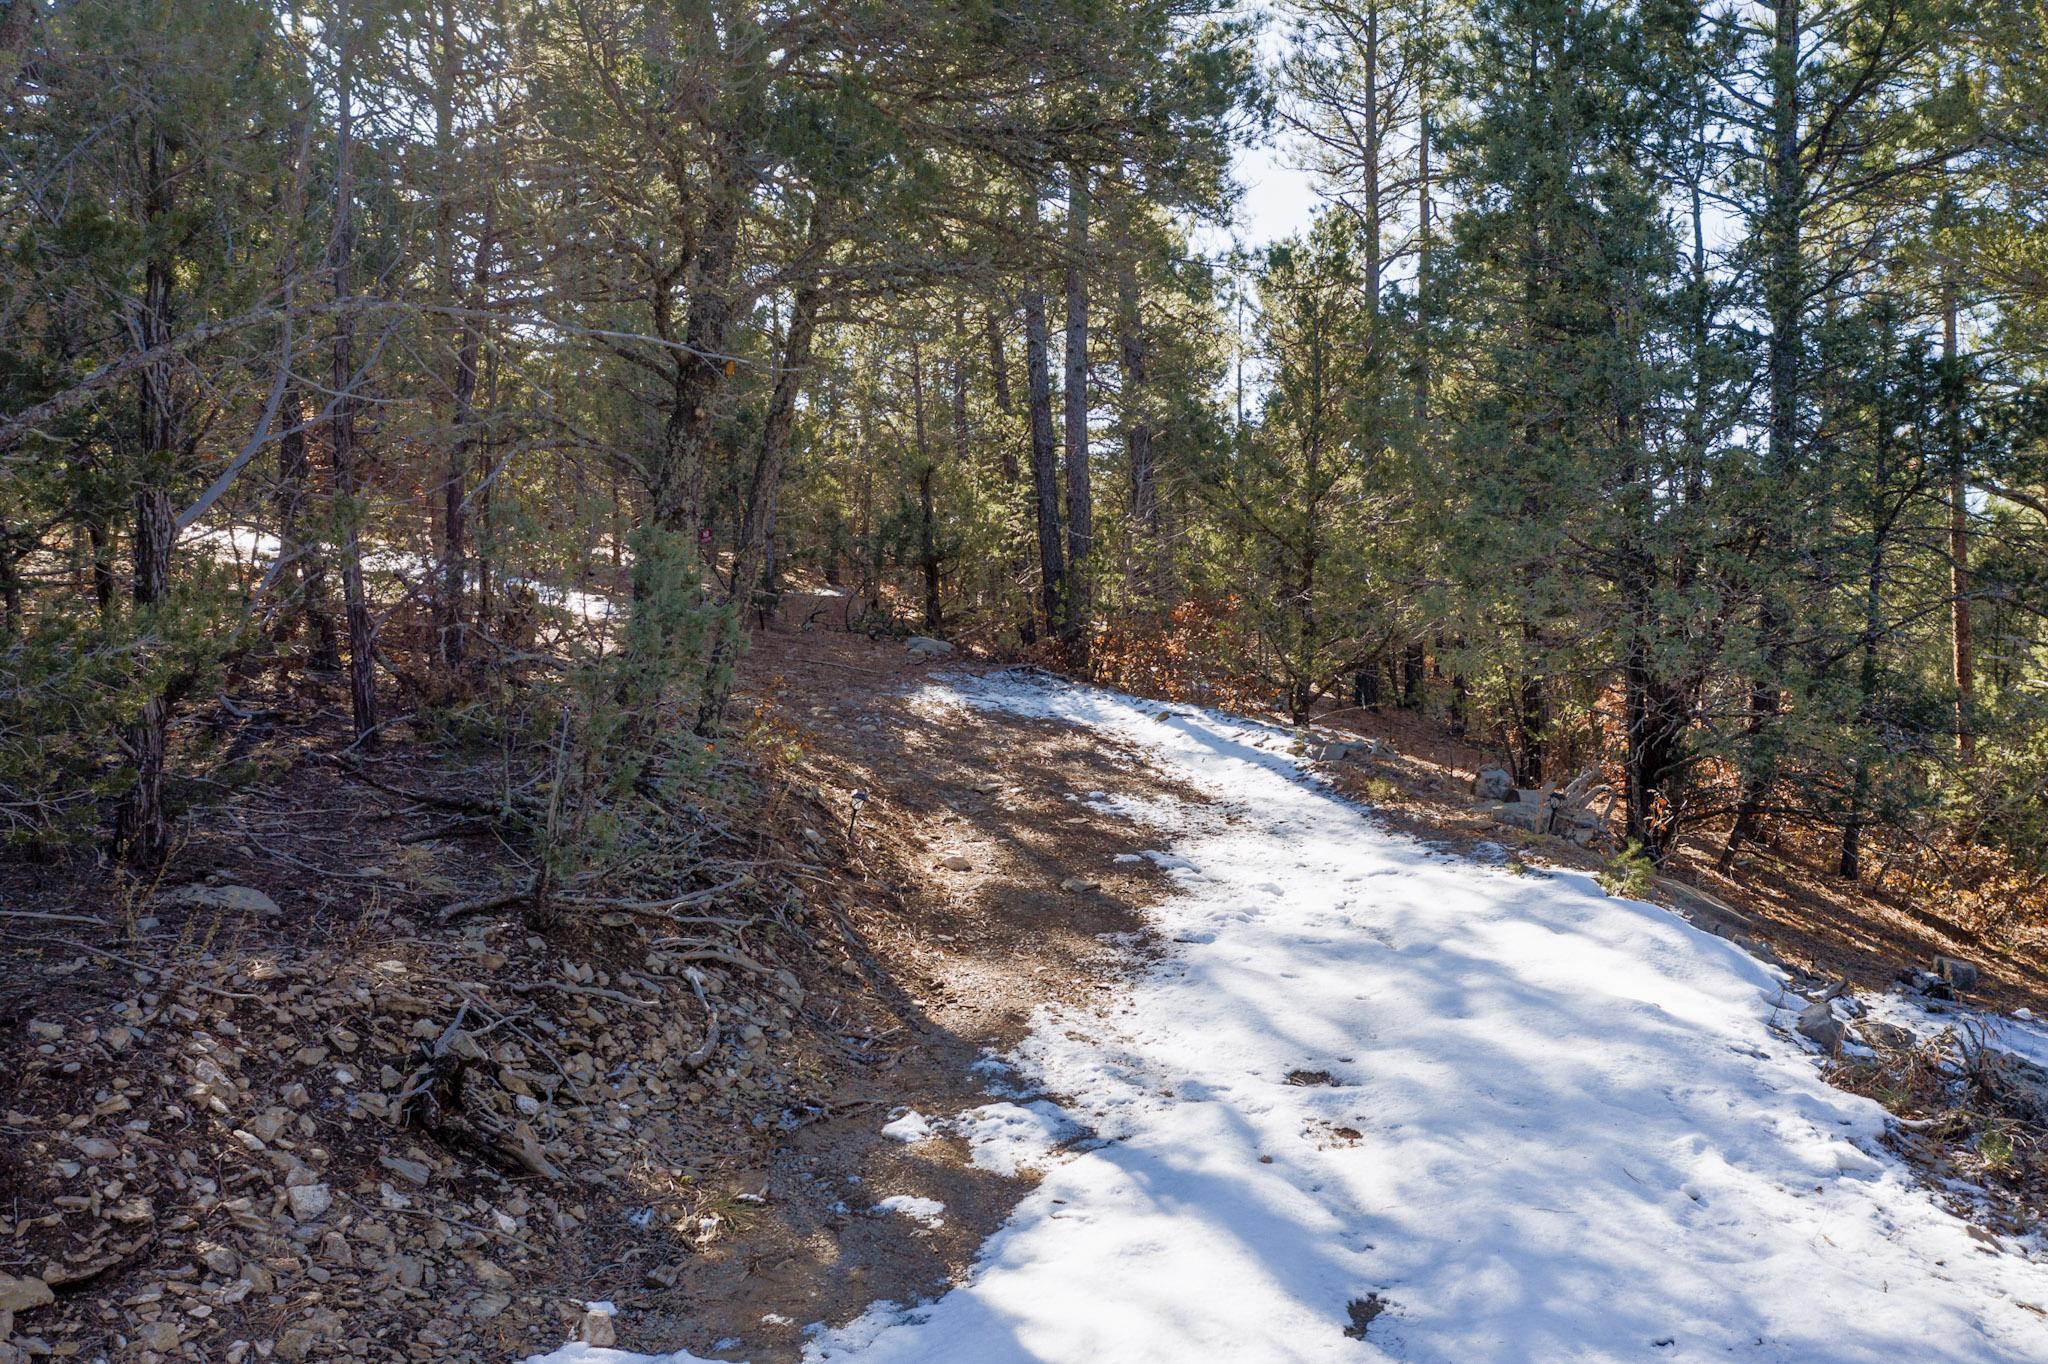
1539 1123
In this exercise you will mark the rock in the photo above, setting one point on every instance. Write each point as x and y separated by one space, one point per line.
924 647
1516 815
231 899
1818 1023
492 1275
1705 911
161 1335
411 1171
221 1259
1075 885
1493 783
309 1201
1960 975
19 1295
957 863
1881 1036
294 1345
596 1327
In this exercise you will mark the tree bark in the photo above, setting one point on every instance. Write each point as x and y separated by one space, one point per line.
927 529
1962 651
1137 423
1044 451
763 488
1080 493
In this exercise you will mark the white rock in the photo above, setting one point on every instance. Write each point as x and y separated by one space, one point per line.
310 1200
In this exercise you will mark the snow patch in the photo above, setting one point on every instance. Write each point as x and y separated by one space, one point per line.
910 1128
574 1353
1007 1137
927 1212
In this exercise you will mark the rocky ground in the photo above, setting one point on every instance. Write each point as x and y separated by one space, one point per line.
274 1109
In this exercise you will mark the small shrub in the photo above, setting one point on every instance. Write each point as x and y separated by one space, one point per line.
1629 874
1995 1149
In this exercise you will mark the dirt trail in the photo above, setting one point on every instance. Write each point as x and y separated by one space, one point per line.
1002 892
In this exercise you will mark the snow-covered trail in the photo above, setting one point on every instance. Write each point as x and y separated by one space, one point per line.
1563 1126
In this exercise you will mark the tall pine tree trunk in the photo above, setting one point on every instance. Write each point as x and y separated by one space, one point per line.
1080 491
1137 422
1962 647
1052 568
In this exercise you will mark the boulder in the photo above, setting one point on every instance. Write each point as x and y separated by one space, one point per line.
1817 1022
925 647
1494 783
1960 975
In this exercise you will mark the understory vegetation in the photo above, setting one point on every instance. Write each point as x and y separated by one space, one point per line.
1658 389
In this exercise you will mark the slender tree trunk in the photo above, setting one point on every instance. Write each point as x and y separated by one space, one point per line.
461 450
302 582
927 529
362 661
447 605
485 542
1962 651
1137 422
142 829
999 375
700 369
1080 493
100 537
1850 863
1370 162
763 488
1423 365
1044 450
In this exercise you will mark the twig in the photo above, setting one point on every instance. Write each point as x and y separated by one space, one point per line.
462 908
158 970
717 954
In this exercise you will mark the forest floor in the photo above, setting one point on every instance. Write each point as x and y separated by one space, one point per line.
1103 1029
